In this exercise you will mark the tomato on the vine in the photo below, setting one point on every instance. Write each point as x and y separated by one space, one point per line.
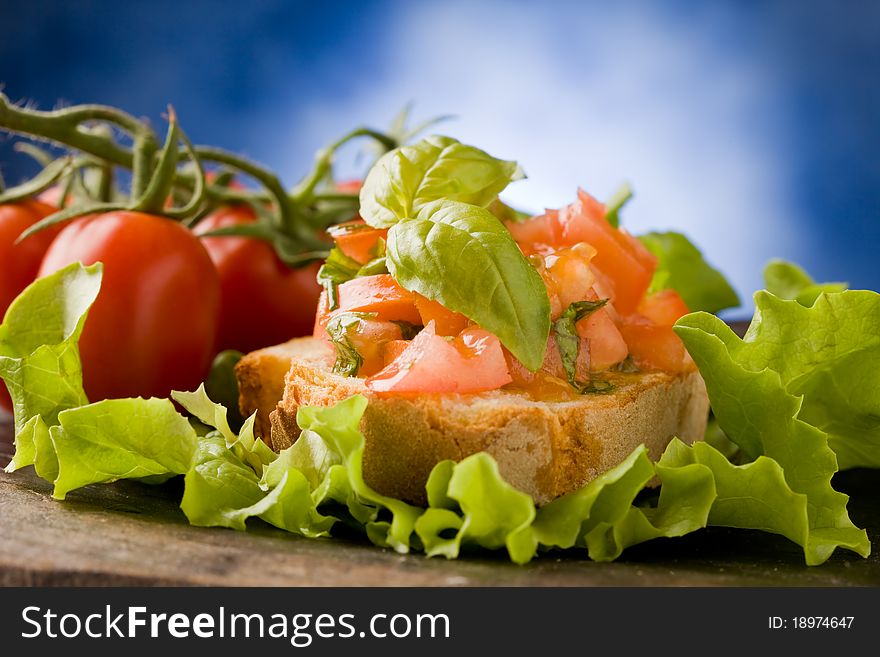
153 326
264 301
20 262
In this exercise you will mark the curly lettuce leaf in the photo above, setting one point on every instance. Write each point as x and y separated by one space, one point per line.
245 444
321 470
681 266
120 439
479 507
800 387
39 359
757 412
828 354
107 441
337 427
788 281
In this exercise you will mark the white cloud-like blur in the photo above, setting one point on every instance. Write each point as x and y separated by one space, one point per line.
593 96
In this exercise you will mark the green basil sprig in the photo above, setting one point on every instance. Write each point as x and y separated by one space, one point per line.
406 179
462 256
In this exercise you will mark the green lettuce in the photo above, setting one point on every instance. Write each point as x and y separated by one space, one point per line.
826 357
763 390
788 281
39 360
796 396
681 266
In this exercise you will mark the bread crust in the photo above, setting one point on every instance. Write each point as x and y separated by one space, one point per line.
545 448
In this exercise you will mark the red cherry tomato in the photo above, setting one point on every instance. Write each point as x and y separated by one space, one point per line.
20 262
153 326
264 301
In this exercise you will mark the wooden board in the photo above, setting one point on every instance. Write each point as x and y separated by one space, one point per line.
132 534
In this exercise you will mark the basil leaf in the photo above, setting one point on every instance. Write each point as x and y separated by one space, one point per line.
404 180
348 358
507 213
567 339
374 267
788 281
462 256
616 203
681 266
337 269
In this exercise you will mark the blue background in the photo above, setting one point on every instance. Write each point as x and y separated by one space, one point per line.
753 127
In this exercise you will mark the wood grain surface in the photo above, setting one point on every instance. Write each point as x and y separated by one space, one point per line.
132 534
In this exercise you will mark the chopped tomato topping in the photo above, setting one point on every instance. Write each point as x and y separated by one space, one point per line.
446 322
606 345
369 338
379 294
663 308
652 342
654 347
471 362
357 240
568 276
626 264
392 349
542 229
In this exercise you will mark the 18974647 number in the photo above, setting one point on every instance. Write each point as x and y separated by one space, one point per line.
810 622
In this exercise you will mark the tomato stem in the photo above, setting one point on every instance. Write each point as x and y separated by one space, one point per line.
43 180
152 198
64 127
304 190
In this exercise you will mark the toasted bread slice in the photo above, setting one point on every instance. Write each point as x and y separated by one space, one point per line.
544 447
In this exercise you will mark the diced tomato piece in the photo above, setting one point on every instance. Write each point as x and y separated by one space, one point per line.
654 347
472 362
392 349
446 322
542 229
379 294
569 277
322 316
627 264
357 240
369 338
664 308
606 344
